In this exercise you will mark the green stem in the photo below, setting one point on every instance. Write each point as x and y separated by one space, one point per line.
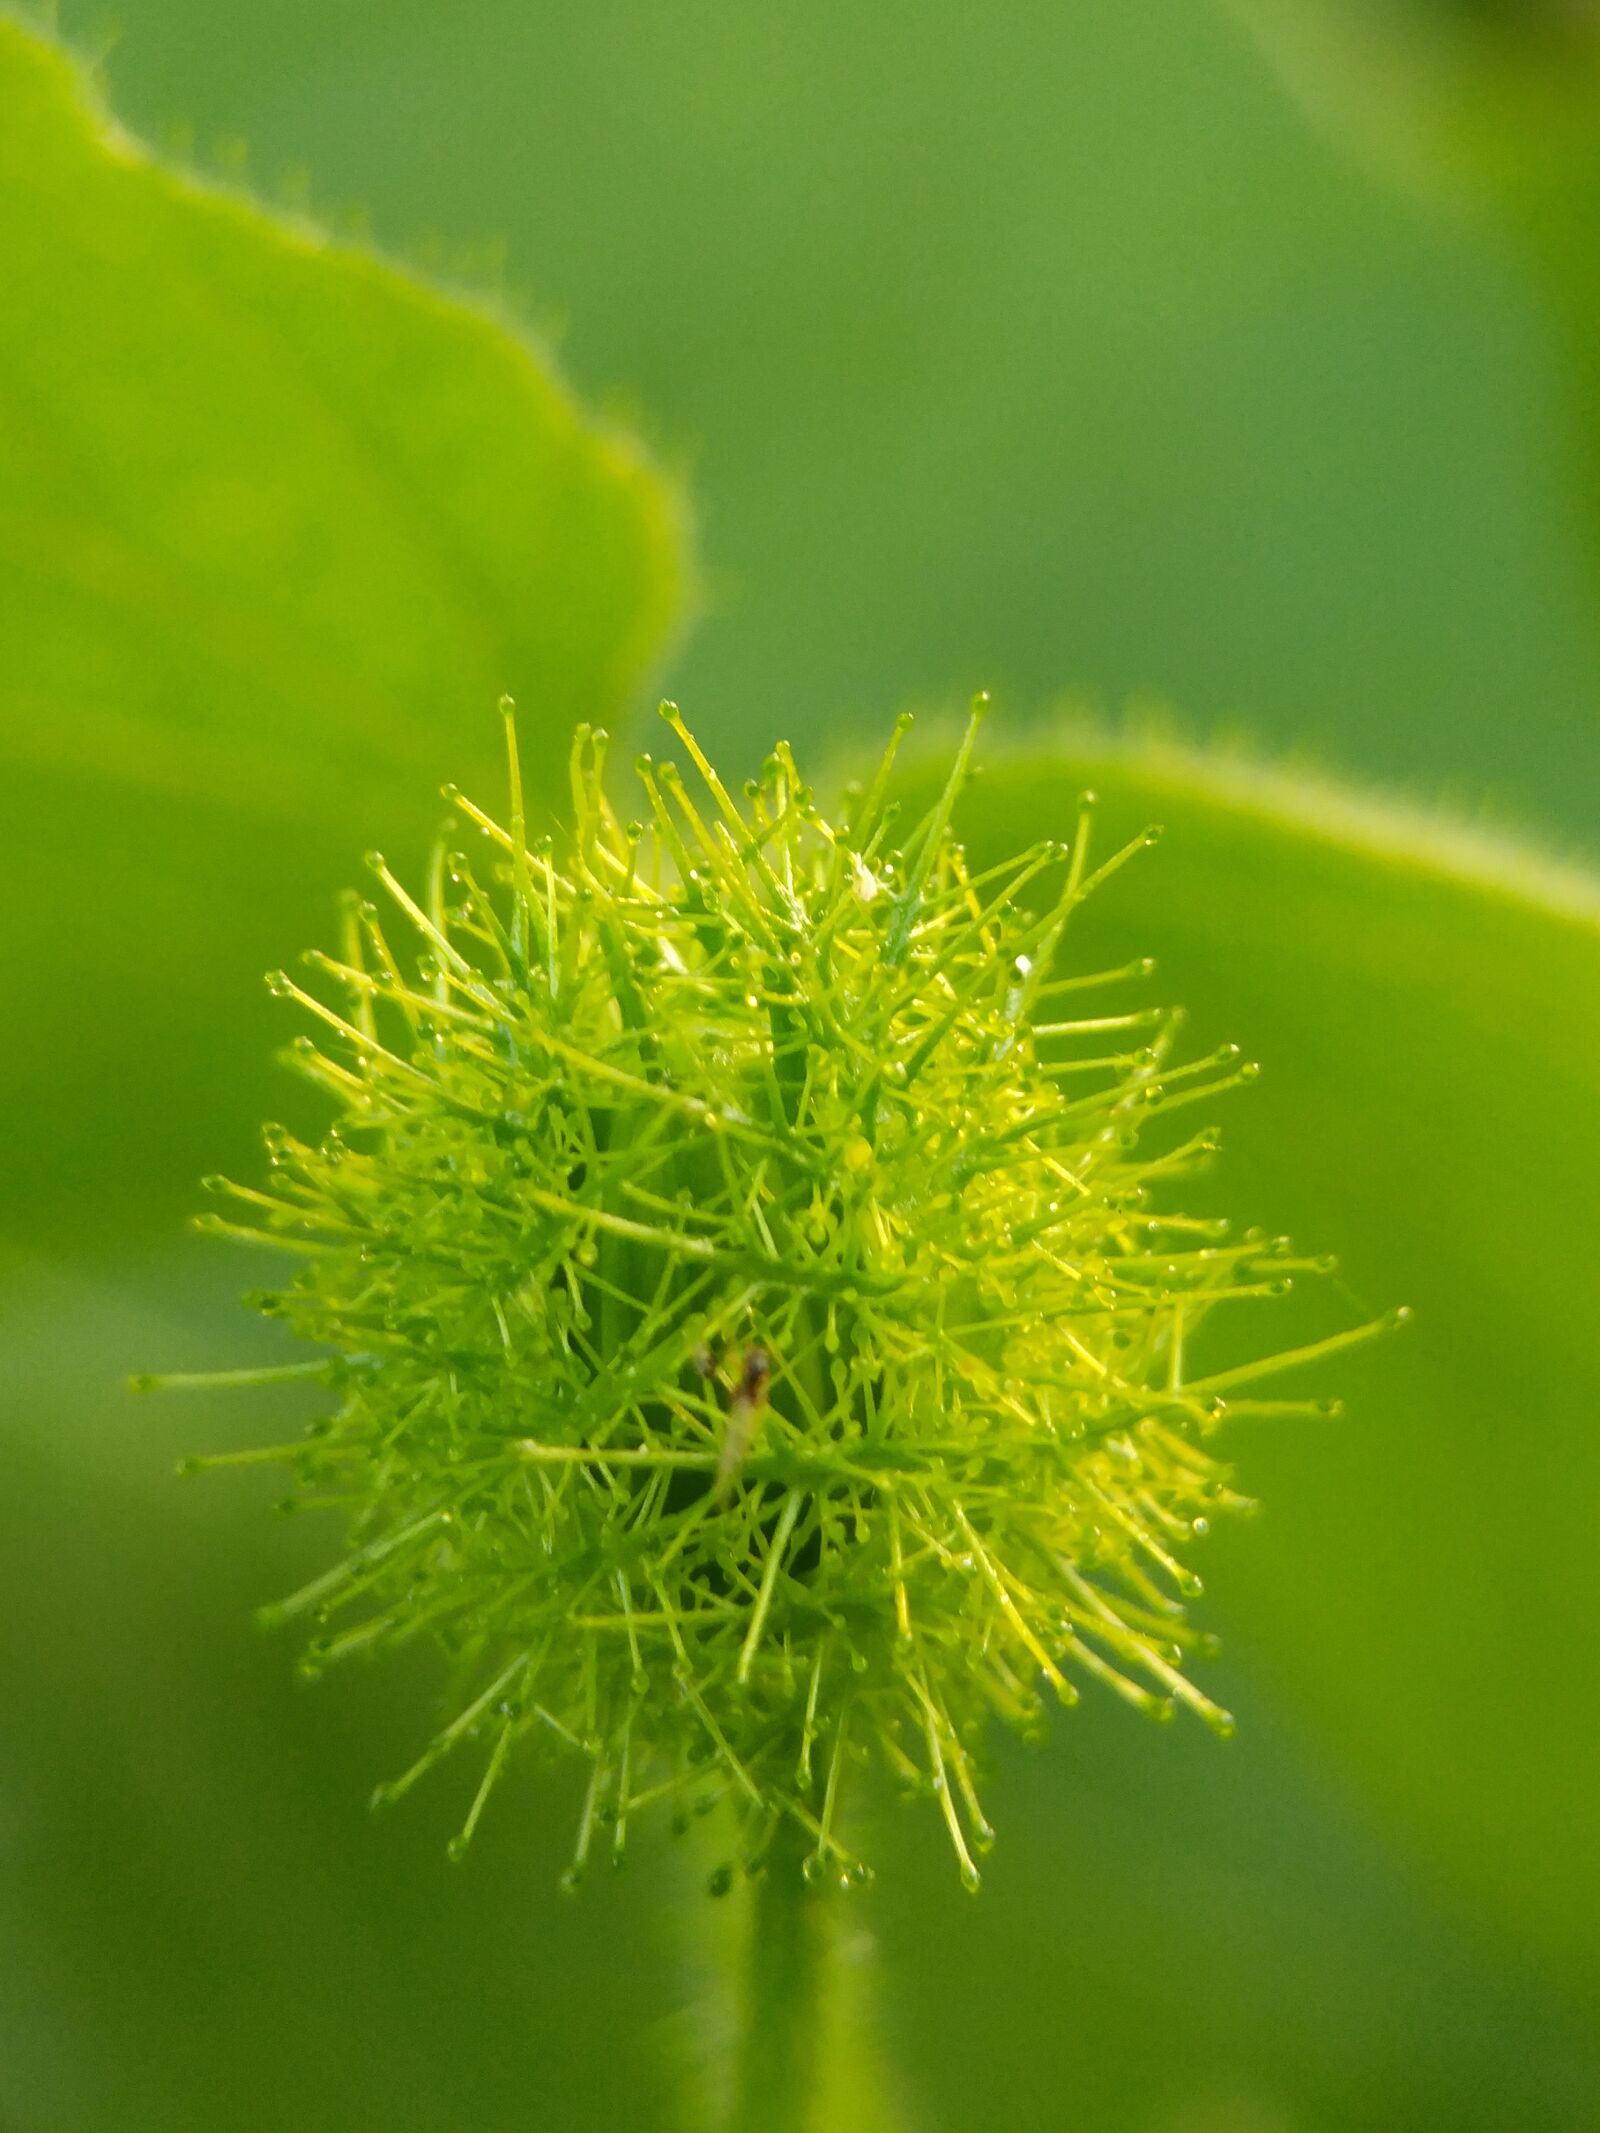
777 2064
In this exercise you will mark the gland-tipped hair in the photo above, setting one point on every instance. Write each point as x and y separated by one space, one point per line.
757 1340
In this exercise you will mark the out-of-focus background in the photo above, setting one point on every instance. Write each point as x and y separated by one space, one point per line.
1071 351
1049 350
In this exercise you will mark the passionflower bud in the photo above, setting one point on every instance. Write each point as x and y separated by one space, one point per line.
756 1330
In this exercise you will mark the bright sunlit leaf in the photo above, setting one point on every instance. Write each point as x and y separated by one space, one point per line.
1426 1005
278 523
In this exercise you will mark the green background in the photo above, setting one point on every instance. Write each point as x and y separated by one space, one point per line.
1039 348
1048 348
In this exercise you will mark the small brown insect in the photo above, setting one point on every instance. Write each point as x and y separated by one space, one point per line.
745 1410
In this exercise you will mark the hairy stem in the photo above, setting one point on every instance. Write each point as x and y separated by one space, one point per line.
777 2069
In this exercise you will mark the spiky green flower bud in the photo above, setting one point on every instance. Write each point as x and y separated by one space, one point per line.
758 1346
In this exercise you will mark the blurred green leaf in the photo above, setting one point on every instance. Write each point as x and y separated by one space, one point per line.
1427 1006
209 1930
1075 356
1483 96
1495 103
206 1932
278 522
